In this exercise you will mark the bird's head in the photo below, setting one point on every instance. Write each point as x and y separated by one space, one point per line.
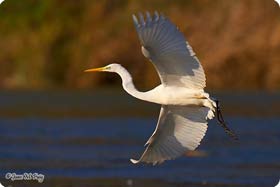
108 68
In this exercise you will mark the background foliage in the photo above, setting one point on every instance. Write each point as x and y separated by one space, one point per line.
48 44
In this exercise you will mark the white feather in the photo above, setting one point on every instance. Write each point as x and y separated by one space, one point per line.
172 56
179 129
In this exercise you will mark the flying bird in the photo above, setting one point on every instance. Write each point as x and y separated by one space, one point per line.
185 106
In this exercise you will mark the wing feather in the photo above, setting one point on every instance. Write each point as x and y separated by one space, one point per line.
168 50
179 129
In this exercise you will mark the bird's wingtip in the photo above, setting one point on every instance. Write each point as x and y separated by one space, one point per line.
134 161
154 16
141 18
148 17
135 20
156 13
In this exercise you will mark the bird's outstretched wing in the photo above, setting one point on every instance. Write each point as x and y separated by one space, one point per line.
179 129
168 50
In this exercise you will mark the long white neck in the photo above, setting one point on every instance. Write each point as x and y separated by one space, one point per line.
129 87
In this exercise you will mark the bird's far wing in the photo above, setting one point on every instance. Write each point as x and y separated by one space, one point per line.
168 50
179 129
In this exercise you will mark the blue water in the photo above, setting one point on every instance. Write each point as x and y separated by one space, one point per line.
86 139
93 148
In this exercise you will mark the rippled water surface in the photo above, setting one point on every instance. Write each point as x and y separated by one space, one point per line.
93 149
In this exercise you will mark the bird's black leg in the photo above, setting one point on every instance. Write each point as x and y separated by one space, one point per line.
222 122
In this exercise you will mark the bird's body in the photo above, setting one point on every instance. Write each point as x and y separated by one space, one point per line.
164 94
182 96
185 106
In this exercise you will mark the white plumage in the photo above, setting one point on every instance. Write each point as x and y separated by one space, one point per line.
179 129
185 107
167 48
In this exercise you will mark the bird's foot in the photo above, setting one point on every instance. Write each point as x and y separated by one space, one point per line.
222 122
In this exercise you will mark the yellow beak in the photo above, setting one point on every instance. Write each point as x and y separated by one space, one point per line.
95 69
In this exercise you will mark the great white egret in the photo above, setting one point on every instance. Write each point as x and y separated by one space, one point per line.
185 107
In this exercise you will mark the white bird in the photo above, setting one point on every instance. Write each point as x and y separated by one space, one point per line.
185 107
1 1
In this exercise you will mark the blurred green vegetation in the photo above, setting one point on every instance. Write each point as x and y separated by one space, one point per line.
48 44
